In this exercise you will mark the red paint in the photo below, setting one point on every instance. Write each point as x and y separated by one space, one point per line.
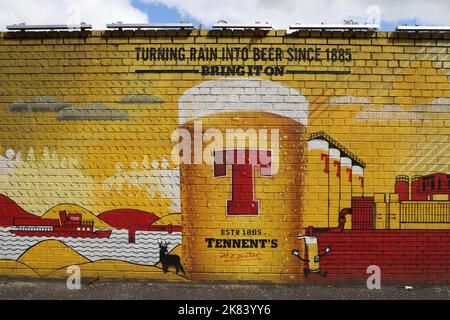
72 224
135 220
128 218
326 157
434 184
363 211
341 223
36 222
415 190
402 187
361 180
423 188
402 255
9 211
350 174
243 162
69 225
338 165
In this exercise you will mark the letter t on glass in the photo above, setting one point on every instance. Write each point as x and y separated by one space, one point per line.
243 162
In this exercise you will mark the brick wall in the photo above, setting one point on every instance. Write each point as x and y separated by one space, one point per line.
404 256
91 123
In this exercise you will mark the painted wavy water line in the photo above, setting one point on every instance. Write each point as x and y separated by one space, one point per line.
145 251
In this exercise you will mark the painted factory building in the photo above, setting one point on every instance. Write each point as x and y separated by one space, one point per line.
209 155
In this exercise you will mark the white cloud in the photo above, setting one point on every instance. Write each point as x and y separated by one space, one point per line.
281 13
439 105
390 112
349 100
96 12
424 112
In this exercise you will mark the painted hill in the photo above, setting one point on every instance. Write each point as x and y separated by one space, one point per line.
50 255
120 269
9 210
173 219
53 213
12 268
128 218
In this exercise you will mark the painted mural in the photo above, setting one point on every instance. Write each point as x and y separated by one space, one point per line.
292 159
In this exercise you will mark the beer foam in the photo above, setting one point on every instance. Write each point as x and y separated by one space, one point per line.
249 94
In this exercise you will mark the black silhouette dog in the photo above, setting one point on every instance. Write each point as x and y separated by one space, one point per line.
168 260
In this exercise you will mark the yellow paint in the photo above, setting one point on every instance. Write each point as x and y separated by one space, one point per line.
14 268
173 219
389 115
110 269
280 208
50 255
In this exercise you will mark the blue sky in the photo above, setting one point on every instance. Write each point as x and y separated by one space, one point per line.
386 26
281 13
162 13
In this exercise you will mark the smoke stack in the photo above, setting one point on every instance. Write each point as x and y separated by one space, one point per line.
402 187
415 189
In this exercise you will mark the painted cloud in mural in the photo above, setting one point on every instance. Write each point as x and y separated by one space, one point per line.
349 100
38 104
389 112
439 105
142 99
95 111
424 112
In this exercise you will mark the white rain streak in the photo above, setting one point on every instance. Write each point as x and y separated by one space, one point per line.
426 55
423 158
432 54
144 251
441 56
442 164
412 157
438 106
432 159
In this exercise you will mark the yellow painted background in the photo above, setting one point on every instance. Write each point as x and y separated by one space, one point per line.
391 111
